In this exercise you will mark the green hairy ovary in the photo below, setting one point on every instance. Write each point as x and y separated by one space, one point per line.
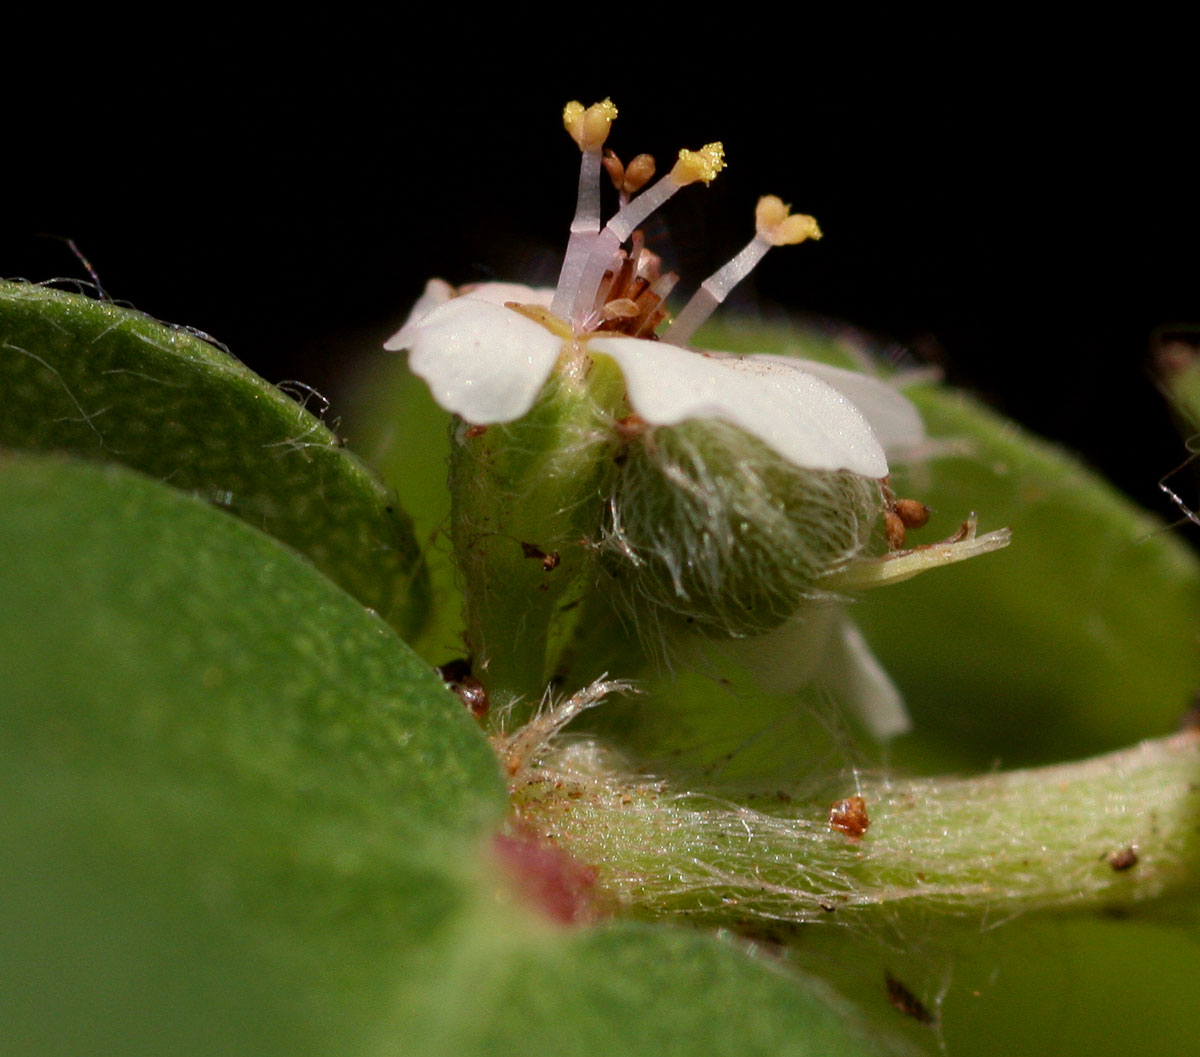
708 525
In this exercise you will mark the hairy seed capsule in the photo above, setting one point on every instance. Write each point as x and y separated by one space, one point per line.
709 525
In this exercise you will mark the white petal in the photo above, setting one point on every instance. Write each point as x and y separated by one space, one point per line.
482 361
499 293
896 422
821 646
805 420
438 292
854 674
790 657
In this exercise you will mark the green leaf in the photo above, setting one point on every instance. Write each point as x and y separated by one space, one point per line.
626 991
1065 985
1079 638
232 797
391 419
241 817
108 383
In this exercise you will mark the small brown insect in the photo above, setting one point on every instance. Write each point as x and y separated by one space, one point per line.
849 816
1124 859
904 1000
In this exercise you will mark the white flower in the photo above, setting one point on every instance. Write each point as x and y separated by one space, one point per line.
487 363
488 351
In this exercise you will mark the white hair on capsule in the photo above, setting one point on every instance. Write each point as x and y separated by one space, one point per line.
710 525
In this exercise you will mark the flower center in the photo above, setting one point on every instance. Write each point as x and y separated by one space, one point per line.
632 291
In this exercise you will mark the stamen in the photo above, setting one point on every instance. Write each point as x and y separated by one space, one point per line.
650 302
702 164
614 168
638 173
774 227
693 166
621 308
630 296
773 222
631 178
589 128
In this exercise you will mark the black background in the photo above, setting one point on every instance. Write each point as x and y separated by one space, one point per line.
1021 212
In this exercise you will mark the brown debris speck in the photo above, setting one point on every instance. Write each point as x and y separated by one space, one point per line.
900 515
630 426
549 559
849 816
904 1000
457 676
912 512
1124 859
893 529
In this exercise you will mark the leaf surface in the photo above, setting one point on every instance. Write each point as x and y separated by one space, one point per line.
108 383
240 816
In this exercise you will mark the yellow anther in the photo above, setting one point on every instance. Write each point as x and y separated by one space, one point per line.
702 164
777 226
589 126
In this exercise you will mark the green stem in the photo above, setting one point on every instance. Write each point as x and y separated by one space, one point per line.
528 502
1106 831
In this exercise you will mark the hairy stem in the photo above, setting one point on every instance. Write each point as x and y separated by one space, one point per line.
527 504
1106 831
